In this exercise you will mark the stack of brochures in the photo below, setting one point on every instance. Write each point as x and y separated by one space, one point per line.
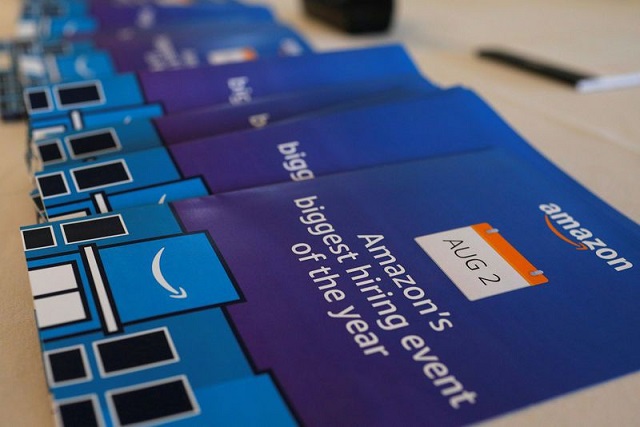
235 230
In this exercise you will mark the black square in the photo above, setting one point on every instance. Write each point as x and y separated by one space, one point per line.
50 152
38 238
78 414
83 145
38 100
51 10
136 351
52 185
100 228
150 403
67 365
102 175
54 49
79 95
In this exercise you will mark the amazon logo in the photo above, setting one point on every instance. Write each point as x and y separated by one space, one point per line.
570 231
179 293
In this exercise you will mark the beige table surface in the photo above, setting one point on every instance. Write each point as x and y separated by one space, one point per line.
593 137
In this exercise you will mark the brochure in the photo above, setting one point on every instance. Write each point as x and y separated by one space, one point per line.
433 124
107 16
165 49
77 51
441 291
323 239
109 365
217 120
125 97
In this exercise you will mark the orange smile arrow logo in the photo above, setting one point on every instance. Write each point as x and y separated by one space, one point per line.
578 246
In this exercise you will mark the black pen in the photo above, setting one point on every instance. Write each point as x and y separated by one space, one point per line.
582 82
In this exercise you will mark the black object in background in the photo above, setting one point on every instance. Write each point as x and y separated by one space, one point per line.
555 72
352 16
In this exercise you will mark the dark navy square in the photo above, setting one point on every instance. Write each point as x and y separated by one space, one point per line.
67 365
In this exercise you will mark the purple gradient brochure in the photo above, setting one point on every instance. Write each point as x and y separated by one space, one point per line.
436 123
282 239
107 16
79 105
166 48
218 120
440 291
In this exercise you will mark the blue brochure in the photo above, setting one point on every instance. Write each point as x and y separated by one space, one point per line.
201 123
58 40
165 49
402 280
324 239
433 124
217 120
121 98
456 289
115 354
105 16
37 9
409 127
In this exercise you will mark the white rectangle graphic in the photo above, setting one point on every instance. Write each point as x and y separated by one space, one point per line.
475 266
